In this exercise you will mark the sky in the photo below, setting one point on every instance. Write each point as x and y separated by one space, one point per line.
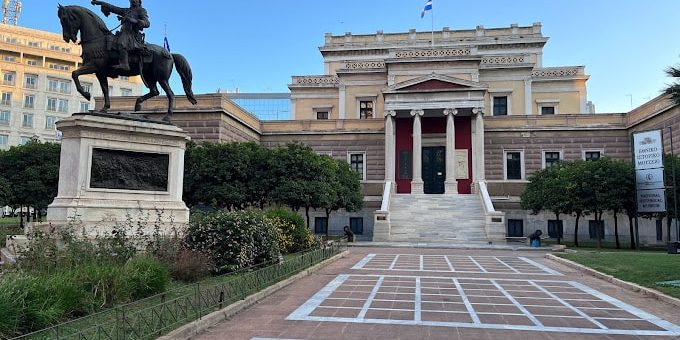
257 45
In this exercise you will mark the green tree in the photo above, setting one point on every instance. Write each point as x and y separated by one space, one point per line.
342 190
672 182
619 184
674 89
546 191
32 171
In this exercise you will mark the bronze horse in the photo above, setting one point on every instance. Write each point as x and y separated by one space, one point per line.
98 58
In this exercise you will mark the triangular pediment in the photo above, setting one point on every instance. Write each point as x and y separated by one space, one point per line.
436 82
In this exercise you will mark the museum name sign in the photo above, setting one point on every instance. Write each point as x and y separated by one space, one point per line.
649 172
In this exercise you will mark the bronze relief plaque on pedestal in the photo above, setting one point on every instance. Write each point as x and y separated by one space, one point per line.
129 170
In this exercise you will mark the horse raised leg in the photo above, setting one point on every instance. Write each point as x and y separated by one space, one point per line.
85 69
153 91
104 84
171 98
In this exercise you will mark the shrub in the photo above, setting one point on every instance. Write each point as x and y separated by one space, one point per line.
234 240
144 276
191 266
295 234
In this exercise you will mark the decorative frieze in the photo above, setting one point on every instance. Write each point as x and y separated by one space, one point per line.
556 72
433 53
360 65
316 81
503 60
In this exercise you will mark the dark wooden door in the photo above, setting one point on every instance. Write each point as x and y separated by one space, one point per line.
434 169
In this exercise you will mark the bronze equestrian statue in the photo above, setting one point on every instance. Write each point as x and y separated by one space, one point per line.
124 54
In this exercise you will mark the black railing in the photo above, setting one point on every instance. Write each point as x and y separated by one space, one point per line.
159 314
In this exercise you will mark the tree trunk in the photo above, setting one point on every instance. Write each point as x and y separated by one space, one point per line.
669 219
559 224
328 220
578 216
21 217
616 231
307 214
632 232
598 232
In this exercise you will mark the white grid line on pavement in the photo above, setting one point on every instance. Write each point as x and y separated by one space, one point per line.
517 304
370 298
304 311
566 304
507 265
418 301
468 306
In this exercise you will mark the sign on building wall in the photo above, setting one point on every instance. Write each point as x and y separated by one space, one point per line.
649 172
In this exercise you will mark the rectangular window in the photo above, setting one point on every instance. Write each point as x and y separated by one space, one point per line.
322 115
52 104
405 164
24 140
29 101
356 224
356 162
32 62
592 231
54 48
87 87
551 157
50 122
8 78
320 225
10 59
6 98
125 92
513 165
34 44
84 106
3 140
27 120
591 155
547 110
4 117
659 230
515 228
65 87
366 109
52 85
555 228
31 81
63 105
500 106
11 40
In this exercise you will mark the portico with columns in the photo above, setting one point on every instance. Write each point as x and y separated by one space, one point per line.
434 135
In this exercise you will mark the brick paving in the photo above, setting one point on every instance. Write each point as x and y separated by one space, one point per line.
381 293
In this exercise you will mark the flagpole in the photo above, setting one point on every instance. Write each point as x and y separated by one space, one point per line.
432 10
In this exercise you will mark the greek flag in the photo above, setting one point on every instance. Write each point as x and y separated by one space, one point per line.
428 7
166 44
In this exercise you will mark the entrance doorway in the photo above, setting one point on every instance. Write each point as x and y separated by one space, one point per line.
434 169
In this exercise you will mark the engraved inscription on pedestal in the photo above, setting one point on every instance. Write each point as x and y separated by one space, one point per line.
128 170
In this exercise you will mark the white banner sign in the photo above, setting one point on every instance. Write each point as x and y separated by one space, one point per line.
651 201
648 150
649 179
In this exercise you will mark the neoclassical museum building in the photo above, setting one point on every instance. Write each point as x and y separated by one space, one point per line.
444 133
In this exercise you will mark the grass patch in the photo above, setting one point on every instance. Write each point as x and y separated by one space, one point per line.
643 268
9 221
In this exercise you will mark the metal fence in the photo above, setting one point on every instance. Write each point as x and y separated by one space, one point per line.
158 315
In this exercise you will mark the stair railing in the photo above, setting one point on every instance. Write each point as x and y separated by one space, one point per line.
494 221
381 218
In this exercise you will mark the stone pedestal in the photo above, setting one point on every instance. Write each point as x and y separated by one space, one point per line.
116 171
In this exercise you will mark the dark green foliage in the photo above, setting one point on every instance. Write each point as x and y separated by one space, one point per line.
234 240
295 236
674 89
31 174
144 276
582 188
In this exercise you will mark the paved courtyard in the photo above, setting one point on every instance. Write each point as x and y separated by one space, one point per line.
381 293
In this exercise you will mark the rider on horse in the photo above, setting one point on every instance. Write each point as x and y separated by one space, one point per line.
130 37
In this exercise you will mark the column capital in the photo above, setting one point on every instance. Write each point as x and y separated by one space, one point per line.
452 112
390 113
478 111
417 112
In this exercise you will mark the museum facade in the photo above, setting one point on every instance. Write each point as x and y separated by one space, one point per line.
443 127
